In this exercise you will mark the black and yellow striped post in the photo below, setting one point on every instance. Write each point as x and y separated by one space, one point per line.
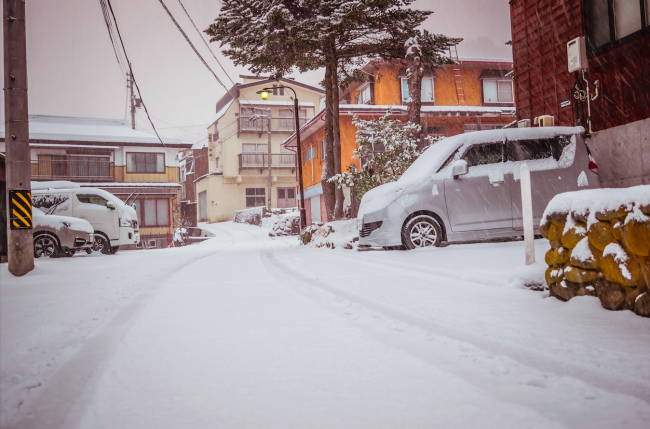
20 210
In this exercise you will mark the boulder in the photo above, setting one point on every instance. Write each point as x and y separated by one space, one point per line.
612 295
642 304
600 235
573 235
586 256
557 257
619 266
617 228
607 215
635 236
579 275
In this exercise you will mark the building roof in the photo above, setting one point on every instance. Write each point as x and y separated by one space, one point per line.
69 128
359 109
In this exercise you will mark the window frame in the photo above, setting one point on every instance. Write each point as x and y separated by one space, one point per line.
405 97
142 212
255 196
614 43
135 164
497 81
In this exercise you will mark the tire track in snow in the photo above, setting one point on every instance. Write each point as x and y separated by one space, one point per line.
61 399
349 304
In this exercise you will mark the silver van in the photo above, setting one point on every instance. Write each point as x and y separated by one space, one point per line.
467 187
114 222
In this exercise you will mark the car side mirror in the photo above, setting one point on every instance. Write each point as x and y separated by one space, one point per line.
110 205
459 168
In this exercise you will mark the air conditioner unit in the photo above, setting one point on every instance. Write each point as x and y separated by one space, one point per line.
577 54
545 121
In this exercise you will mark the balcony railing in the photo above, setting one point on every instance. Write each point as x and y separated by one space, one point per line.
259 161
259 125
77 170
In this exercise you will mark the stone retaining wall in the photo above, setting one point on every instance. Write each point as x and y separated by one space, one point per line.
600 251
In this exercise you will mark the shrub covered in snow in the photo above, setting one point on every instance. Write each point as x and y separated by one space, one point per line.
341 234
600 246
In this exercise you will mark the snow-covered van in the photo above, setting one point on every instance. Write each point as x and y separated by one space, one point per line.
466 187
115 223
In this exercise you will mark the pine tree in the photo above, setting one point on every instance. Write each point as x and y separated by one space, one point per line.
387 150
276 36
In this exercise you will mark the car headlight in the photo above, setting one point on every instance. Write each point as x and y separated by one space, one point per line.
125 222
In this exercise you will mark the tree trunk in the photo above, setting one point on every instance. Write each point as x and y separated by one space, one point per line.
333 100
415 74
329 195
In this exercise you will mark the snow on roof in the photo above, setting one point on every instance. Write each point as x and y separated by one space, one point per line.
65 184
68 128
220 113
355 108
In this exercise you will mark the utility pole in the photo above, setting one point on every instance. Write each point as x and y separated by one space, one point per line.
269 165
20 247
132 97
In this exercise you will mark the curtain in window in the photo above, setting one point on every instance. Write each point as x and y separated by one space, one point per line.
160 163
505 92
427 90
162 212
405 89
490 94
130 162
139 163
627 16
150 212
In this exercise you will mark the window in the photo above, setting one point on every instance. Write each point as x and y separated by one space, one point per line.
255 197
436 131
497 91
484 154
426 91
92 199
364 96
255 147
152 211
90 166
145 162
322 150
611 20
522 150
309 154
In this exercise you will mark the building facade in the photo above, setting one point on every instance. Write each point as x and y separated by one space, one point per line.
238 139
193 164
617 45
473 95
108 154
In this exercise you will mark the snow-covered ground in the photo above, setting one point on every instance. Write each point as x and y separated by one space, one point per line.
248 331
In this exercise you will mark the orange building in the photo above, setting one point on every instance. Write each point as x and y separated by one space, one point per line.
473 95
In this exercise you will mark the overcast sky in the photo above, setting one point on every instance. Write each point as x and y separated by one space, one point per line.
73 71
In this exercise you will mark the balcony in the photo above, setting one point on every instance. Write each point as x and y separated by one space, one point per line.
83 170
247 124
259 161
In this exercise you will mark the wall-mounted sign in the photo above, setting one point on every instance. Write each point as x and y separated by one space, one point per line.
566 103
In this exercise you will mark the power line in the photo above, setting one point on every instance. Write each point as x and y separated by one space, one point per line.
131 71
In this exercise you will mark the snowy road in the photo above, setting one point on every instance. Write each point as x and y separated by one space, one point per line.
244 331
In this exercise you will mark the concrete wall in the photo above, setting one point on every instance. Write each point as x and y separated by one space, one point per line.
622 154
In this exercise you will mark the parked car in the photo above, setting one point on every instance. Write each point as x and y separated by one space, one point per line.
56 236
467 187
115 223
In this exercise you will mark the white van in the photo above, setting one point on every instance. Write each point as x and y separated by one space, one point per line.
115 223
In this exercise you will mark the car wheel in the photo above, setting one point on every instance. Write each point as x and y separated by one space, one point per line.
45 246
89 250
422 231
70 253
101 244
114 249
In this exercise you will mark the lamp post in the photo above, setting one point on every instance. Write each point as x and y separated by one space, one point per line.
265 95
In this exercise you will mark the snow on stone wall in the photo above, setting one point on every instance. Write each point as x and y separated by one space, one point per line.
600 246
341 234
252 216
284 224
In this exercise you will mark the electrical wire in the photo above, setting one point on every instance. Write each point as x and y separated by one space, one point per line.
131 71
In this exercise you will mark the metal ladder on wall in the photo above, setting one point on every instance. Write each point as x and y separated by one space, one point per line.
458 77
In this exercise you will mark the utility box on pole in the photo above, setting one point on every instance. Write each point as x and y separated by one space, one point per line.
20 248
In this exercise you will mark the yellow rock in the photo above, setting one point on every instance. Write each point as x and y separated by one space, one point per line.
554 275
557 257
621 268
572 236
636 237
600 235
544 227
579 275
608 215
616 228
555 234
590 264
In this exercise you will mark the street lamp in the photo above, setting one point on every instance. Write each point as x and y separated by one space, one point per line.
265 95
